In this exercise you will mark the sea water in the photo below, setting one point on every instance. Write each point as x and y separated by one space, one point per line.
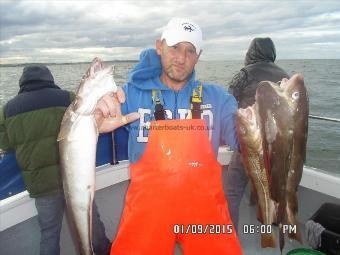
322 79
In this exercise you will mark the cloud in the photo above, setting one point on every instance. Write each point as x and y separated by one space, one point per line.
72 31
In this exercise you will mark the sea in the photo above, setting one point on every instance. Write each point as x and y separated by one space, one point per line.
322 79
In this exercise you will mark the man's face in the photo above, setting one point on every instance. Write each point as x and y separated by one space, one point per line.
178 61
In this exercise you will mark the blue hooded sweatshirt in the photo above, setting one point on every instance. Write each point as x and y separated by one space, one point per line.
218 107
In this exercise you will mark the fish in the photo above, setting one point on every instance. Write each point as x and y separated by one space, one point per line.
250 140
281 113
299 104
77 139
276 121
283 110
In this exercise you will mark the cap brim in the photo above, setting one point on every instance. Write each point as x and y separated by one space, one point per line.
174 37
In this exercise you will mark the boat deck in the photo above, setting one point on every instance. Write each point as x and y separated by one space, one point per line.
23 238
250 243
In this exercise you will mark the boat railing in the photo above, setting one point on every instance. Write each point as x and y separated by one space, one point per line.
323 118
20 207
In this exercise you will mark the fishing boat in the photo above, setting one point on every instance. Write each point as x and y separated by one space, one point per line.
19 225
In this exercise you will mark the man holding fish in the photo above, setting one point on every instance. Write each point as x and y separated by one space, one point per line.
176 126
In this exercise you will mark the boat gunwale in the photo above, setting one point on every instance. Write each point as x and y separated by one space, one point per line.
20 207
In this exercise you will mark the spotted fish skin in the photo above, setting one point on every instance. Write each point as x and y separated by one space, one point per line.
281 116
298 100
251 147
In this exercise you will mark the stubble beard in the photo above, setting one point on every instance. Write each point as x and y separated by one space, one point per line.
177 78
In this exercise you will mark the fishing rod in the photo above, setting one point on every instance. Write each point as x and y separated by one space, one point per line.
324 118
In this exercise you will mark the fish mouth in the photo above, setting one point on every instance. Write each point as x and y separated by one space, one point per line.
98 66
246 121
293 83
248 114
95 67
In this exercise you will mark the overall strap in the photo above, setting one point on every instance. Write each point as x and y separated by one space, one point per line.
195 103
159 112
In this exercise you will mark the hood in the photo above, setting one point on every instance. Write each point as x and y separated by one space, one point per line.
36 77
149 68
260 49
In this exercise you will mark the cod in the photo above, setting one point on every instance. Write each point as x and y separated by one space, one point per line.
251 143
278 122
77 138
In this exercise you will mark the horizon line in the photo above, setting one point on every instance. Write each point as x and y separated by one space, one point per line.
137 60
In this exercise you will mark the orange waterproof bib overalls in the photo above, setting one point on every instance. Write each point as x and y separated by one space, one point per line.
176 195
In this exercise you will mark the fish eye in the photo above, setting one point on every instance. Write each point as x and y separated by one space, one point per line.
295 95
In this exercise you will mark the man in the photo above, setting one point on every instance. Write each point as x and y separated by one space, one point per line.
175 178
29 124
259 66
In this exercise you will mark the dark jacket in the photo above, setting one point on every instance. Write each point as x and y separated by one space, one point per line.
259 66
29 124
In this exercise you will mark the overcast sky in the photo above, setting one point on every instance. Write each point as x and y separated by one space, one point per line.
72 31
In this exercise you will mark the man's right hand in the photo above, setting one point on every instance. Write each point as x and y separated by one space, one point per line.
108 112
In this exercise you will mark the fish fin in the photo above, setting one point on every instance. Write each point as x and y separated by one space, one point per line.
274 213
268 240
291 210
259 213
61 135
281 237
90 221
96 127
65 125
296 235
64 132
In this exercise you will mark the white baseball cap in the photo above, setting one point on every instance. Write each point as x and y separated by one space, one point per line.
183 30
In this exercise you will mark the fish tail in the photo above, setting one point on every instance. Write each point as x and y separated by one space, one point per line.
296 235
90 222
281 237
268 240
291 210
259 213
274 213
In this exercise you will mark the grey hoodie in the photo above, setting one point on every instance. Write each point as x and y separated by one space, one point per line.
35 77
259 66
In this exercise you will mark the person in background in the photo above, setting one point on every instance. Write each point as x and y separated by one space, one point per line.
162 90
258 66
29 124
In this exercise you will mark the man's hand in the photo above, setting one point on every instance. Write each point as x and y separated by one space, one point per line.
108 112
